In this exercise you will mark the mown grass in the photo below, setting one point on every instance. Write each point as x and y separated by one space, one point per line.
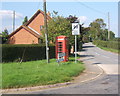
0 76
35 73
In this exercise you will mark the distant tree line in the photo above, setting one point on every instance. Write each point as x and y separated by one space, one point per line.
98 31
60 25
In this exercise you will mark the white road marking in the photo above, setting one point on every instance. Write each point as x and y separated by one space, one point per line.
106 56
97 53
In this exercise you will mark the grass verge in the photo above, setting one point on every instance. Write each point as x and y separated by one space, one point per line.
16 75
109 49
0 76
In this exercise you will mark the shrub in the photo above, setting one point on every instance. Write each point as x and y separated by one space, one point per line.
108 44
11 53
79 45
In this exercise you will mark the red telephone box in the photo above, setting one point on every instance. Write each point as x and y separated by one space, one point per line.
62 48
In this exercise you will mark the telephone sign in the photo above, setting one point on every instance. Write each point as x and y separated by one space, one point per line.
75 29
60 57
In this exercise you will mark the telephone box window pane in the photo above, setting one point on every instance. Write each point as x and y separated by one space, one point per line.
59 43
60 49
60 46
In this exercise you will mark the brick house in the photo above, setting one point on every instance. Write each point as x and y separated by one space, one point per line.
30 32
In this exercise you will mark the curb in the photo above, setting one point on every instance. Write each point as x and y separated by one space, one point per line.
58 85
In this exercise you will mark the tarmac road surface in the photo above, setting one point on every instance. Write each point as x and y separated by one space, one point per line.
105 84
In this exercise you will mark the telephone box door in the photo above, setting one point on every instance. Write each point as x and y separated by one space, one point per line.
62 48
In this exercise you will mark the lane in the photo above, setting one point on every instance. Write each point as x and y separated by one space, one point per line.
106 84
106 60
101 55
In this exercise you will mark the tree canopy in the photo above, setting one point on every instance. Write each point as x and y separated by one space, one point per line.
98 30
72 19
25 20
4 35
59 26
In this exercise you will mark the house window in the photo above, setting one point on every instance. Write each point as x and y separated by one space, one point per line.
41 27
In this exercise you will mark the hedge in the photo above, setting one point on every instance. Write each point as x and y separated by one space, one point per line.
107 44
79 45
11 53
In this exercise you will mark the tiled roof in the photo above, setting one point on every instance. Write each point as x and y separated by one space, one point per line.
32 18
31 31
14 32
25 26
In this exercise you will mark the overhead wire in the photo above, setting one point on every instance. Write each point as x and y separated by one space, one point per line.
91 8
39 4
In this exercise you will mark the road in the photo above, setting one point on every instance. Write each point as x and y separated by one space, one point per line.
106 60
105 84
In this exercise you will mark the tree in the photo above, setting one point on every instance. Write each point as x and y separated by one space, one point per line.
4 35
59 26
97 28
85 36
55 12
72 19
25 20
98 31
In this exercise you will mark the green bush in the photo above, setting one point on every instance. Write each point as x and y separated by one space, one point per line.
79 45
108 44
11 53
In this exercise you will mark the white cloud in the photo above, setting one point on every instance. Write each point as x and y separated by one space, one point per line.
82 19
7 14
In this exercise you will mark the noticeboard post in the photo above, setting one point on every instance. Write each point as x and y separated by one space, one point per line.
75 31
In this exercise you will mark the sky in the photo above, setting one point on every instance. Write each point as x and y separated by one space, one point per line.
86 11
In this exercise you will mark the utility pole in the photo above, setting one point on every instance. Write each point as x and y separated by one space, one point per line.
46 31
13 20
108 26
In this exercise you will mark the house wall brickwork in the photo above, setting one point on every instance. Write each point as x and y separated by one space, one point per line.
23 37
32 27
37 22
